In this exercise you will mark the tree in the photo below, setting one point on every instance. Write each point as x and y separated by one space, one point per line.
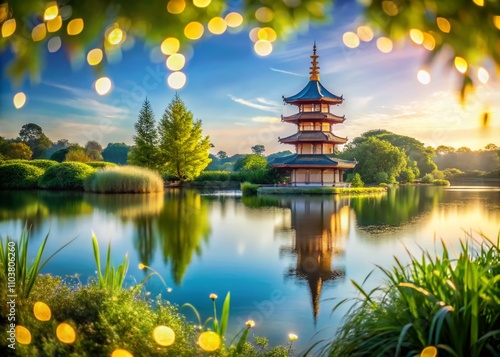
145 152
376 157
34 137
491 147
250 162
116 152
183 149
356 181
258 149
443 149
463 149
93 145
19 150
77 153
221 155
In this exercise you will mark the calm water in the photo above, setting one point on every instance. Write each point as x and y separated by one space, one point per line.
285 260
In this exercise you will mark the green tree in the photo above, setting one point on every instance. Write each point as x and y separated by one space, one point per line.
116 152
356 181
183 149
464 149
34 137
15 150
491 147
258 149
376 156
145 152
443 149
250 162
221 155
77 153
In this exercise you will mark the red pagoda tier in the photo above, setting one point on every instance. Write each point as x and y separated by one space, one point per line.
313 162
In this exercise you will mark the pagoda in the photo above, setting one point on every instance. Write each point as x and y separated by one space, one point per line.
313 162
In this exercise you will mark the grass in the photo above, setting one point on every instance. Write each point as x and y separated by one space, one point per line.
124 179
320 190
448 304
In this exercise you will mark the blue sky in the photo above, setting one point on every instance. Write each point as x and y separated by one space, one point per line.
237 94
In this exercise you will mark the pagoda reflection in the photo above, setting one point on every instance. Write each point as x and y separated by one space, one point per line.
321 227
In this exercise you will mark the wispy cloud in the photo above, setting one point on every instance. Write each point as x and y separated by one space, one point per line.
264 119
287 72
265 105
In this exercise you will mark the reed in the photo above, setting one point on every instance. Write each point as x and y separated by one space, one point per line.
124 179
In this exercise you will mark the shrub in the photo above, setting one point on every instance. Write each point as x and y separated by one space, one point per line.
356 181
124 179
40 163
383 184
449 173
66 176
428 178
19 175
215 176
249 189
441 183
101 164
446 304
382 177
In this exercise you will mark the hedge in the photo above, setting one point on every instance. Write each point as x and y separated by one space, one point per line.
66 176
19 175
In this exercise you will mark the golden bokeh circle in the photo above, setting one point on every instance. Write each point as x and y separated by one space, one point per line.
65 333
42 311
209 341
163 335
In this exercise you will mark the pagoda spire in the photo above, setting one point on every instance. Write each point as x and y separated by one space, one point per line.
314 68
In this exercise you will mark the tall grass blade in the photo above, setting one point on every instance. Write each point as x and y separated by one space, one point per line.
225 315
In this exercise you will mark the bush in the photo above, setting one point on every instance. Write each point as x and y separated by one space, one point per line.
356 181
40 163
101 164
215 176
19 175
449 305
249 189
383 184
66 176
449 173
382 177
428 178
124 179
441 183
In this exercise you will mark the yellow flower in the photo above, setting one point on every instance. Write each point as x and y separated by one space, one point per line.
213 296
250 323
292 337
429 351
141 266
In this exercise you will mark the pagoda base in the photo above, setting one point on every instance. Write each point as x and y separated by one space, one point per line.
316 177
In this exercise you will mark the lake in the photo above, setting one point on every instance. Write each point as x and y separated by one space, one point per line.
286 260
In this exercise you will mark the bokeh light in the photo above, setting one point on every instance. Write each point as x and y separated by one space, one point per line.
254 34
163 335
39 32
115 35
170 45
8 27
384 44
54 24
51 11
94 57
483 75
267 33
429 351
65 333
390 8
42 311
23 335
263 47
443 24
264 14
19 100
429 42
194 30
423 76
176 6
103 85
460 64
417 36
217 25
496 21
75 26
201 3
120 352
479 2
54 44
176 80
292 337
350 39
176 62
209 341
364 33
234 19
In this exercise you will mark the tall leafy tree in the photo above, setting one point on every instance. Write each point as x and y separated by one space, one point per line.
183 149
145 152
116 152
32 134
258 149
15 150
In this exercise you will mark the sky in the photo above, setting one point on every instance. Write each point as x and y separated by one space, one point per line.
238 94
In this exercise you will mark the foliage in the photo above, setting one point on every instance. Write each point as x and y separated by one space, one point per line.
112 279
258 149
406 176
356 181
19 175
15 150
466 161
116 152
145 152
77 154
59 155
441 183
221 155
101 164
32 134
376 156
250 162
452 304
428 178
183 149
474 29
93 145
249 189
66 176
24 271
221 176
449 173
124 179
